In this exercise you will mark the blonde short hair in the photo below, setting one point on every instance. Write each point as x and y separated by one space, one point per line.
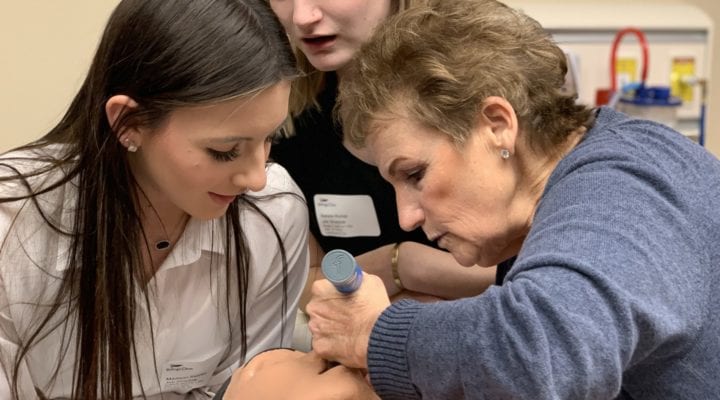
438 63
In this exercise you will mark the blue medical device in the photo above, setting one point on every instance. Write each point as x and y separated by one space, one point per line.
341 269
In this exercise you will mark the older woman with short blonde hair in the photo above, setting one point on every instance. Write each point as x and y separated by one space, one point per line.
609 224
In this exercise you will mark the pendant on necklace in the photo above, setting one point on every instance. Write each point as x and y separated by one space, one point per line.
163 244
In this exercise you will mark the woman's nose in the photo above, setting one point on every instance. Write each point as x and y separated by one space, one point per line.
306 13
410 214
253 175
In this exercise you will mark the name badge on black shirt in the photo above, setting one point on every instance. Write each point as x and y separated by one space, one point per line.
346 215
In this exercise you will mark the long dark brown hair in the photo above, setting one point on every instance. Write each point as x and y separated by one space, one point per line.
164 54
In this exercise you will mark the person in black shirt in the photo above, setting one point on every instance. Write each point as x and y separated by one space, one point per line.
351 206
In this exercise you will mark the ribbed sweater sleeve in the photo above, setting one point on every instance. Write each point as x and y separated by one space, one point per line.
387 356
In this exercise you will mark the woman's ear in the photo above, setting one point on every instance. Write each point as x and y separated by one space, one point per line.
499 116
115 107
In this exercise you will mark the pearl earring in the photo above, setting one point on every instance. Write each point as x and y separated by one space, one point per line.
130 146
505 154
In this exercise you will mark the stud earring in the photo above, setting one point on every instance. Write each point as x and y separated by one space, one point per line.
505 154
130 145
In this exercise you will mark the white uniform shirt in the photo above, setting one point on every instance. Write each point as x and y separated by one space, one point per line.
192 347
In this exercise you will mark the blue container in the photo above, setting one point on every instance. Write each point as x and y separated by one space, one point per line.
654 103
658 96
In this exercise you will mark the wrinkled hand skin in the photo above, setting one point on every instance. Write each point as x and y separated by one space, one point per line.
341 324
285 374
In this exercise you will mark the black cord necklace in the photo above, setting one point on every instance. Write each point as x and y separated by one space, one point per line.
165 242
162 244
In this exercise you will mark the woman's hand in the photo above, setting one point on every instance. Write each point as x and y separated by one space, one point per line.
341 324
285 374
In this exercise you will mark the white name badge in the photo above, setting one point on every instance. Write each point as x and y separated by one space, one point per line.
183 376
346 215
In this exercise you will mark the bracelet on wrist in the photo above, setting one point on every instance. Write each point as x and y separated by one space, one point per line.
394 265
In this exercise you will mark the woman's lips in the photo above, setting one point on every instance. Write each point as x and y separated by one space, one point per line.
319 43
222 199
436 237
442 242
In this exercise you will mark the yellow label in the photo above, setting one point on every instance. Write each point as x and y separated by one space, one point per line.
681 69
625 71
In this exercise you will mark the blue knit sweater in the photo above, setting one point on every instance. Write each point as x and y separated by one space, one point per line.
614 294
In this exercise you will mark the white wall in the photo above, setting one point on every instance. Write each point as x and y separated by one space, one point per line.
46 47
45 50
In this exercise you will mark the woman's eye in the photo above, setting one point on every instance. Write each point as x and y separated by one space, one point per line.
415 175
224 156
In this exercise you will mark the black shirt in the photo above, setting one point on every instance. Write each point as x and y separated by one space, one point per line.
317 160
